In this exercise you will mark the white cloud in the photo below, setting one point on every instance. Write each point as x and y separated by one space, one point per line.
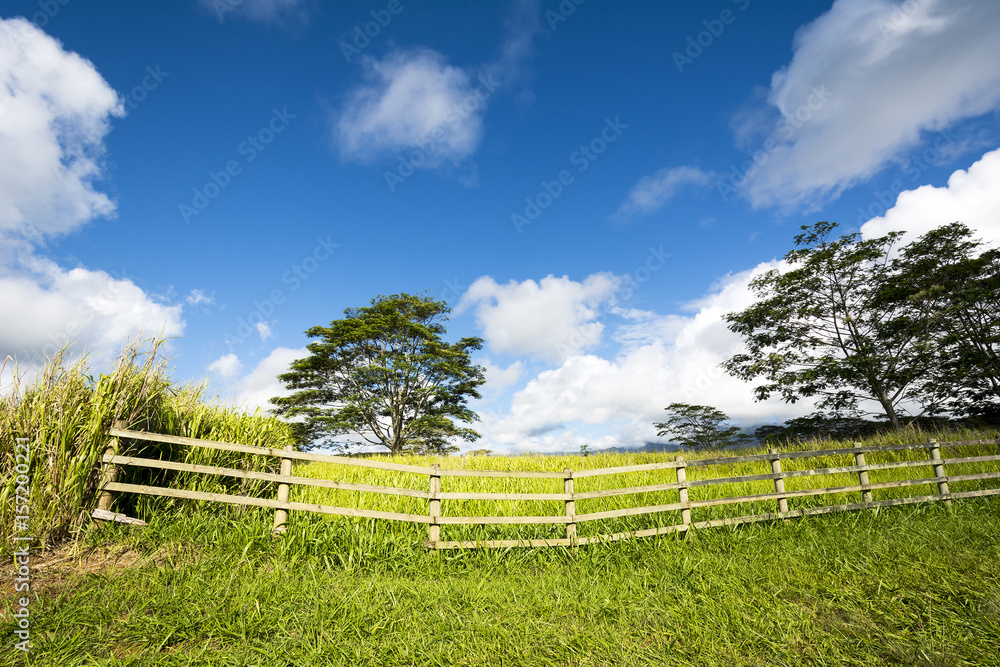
614 401
653 192
264 330
197 297
256 388
550 319
498 377
867 78
227 365
425 113
53 306
55 114
972 197
413 100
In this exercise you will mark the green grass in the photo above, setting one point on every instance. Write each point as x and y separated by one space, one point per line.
906 586
402 504
208 584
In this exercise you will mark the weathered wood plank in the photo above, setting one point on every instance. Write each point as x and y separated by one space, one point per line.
969 459
283 494
504 519
973 477
632 511
501 544
715 523
267 451
422 470
504 496
434 507
264 476
570 505
116 517
710 502
265 502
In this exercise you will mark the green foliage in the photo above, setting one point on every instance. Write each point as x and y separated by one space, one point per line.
65 414
818 426
952 283
385 374
699 426
847 324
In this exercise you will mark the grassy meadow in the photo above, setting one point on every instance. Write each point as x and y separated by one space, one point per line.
410 505
210 584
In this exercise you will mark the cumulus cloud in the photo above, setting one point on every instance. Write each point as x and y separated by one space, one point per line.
970 196
654 191
227 365
56 110
417 108
867 79
549 319
498 377
614 401
96 310
414 100
256 388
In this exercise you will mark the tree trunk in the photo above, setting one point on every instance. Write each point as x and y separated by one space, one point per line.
890 412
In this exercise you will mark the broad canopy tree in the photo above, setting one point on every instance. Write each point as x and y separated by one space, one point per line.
385 374
824 328
699 426
856 320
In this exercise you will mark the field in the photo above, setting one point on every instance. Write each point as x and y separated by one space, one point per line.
204 585
208 584
410 505
907 586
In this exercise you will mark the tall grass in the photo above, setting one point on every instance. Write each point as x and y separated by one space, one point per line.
486 508
65 414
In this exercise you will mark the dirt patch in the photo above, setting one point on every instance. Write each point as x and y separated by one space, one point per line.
52 572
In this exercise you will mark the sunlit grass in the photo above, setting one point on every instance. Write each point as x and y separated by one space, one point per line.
500 508
211 584
65 414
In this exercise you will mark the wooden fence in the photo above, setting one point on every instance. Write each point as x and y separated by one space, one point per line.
435 518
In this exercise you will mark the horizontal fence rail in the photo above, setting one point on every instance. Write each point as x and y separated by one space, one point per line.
435 518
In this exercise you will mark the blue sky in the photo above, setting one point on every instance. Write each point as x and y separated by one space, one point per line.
576 179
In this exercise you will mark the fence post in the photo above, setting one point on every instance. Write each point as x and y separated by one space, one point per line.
281 515
570 506
939 470
779 483
682 493
109 472
434 529
859 460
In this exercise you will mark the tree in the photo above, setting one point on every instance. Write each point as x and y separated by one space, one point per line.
698 426
825 328
952 284
385 374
